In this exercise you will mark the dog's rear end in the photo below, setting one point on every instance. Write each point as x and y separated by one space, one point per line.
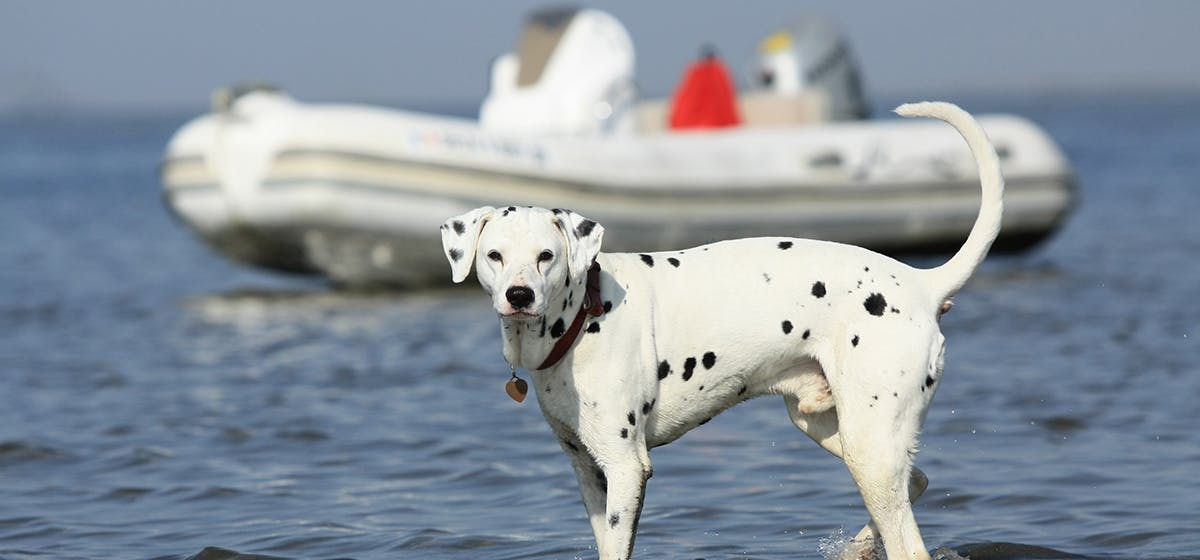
873 429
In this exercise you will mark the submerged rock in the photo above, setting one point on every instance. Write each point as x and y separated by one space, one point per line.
1011 551
217 553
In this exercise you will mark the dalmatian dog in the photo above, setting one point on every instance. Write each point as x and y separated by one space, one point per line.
628 352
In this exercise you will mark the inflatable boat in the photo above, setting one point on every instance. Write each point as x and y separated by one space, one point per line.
357 193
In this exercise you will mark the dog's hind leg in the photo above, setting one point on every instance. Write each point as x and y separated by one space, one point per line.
879 389
880 464
822 427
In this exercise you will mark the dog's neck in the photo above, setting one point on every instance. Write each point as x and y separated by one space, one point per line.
527 343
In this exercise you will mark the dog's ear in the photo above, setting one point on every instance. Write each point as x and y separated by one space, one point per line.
460 236
583 240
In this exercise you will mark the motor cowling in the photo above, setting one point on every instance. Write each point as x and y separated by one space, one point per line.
572 74
811 55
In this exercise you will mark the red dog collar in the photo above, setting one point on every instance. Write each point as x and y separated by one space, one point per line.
591 306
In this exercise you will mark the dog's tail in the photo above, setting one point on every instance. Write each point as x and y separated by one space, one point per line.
947 279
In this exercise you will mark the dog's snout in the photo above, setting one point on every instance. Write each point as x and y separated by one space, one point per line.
519 296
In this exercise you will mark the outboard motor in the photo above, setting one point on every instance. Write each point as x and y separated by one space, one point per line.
572 74
811 55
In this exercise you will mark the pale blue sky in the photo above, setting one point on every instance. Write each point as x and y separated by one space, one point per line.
156 55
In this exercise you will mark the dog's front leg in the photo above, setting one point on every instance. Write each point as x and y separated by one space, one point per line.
612 493
593 483
627 477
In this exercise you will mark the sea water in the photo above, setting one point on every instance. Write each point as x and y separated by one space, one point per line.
157 401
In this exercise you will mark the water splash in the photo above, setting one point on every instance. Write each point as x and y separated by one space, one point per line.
838 546
832 546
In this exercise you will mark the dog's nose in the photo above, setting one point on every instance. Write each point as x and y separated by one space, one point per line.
519 296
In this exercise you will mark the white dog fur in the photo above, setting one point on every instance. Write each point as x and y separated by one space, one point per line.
849 338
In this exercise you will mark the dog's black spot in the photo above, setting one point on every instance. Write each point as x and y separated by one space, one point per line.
512 208
689 367
608 307
709 360
785 245
614 520
854 341
632 418
701 388
818 289
895 310
564 304
594 327
928 381
897 395
742 391
646 408
664 369
504 214
647 259
787 327
602 480
543 333
875 304
866 269
767 277
455 254
674 261
584 228
557 329
624 433
571 446
876 397
805 335
459 227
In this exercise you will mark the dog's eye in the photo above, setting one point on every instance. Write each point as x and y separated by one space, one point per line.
545 256
495 255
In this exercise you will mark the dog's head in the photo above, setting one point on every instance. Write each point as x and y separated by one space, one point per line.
522 256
